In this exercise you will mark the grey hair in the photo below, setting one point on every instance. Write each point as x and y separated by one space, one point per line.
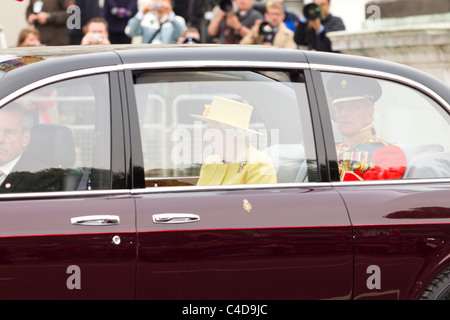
27 117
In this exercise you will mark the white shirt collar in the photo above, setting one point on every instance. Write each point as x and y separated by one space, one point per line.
7 167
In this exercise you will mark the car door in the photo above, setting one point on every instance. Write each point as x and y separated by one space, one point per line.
401 222
288 239
64 232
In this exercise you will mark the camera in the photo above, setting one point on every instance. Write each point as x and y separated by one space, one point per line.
228 6
157 6
312 11
265 28
96 38
190 41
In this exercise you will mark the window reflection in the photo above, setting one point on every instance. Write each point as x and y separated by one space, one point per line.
56 138
386 130
176 144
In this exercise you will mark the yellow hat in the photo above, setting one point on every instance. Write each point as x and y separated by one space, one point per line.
229 112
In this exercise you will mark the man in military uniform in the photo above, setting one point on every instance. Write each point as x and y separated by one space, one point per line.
362 155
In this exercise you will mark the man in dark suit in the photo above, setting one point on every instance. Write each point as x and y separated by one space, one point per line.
19 172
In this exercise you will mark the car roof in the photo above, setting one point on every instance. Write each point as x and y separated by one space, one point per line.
71 58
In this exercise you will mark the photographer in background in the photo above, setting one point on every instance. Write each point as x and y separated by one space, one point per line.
190 36
272 31
313 27
233 21
96 32
291 19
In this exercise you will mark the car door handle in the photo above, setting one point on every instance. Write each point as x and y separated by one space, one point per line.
175 218
98 220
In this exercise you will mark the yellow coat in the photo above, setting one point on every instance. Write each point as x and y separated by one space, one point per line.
255 168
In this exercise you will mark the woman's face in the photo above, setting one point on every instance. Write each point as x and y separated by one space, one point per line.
31 40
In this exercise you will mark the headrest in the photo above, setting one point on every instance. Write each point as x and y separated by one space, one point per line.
53 145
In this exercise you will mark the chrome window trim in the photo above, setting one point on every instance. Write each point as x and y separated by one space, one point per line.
288 185
237 187
382 75
214 63
389 182
64 194
56 78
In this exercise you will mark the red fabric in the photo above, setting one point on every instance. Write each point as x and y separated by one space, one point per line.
389 163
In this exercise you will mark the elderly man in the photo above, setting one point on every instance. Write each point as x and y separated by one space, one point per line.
19 171
362 155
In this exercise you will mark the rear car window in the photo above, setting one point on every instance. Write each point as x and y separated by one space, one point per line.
57 138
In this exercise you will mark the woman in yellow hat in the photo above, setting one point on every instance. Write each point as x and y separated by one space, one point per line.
234 160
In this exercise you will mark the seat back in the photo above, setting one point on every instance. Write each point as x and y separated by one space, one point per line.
52 145
429 166
415 154
288 161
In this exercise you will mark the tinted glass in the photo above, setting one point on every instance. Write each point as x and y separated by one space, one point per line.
217 127
387 130
57 138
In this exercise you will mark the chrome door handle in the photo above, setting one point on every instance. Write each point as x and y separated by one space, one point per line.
175 218
99 220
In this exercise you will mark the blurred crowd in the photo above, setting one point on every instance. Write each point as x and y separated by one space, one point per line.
263 22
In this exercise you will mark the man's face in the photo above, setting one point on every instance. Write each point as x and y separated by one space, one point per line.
244 4
13 140
274 15
325 4
99 28
352 116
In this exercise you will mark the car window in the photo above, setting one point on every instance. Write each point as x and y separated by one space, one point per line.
57 138
386 130
219 127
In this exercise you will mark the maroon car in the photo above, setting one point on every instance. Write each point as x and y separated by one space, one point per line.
222 172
